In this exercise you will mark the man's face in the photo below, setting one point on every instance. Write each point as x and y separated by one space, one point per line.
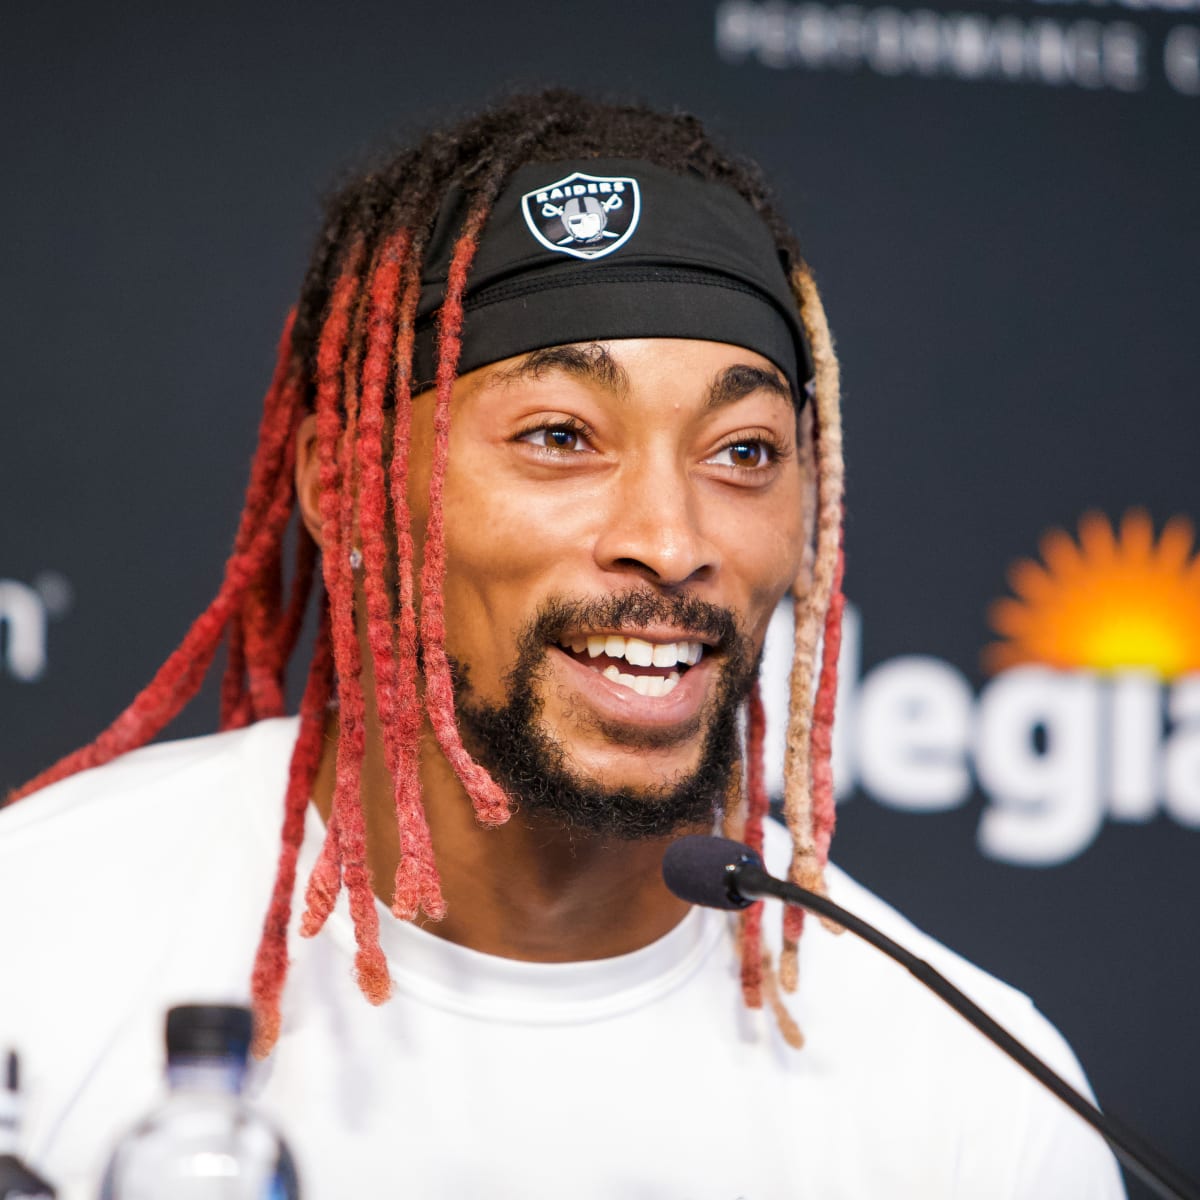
621 521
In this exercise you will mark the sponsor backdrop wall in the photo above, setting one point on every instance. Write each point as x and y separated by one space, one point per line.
1001 202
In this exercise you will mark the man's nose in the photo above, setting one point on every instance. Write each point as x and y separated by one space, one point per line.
653 526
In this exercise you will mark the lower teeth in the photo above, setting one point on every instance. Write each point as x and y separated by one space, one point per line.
644 685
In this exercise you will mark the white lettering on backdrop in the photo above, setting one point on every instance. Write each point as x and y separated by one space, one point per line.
1053 753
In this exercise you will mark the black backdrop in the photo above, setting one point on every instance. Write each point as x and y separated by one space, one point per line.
1001 204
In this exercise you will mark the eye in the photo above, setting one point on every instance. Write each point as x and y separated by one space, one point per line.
745 453
561 437
554 439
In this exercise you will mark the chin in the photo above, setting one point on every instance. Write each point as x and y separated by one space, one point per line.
612 791
571 745
647 769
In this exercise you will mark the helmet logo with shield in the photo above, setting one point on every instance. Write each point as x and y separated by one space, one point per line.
585 216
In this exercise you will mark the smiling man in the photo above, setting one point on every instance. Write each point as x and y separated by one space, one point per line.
557 415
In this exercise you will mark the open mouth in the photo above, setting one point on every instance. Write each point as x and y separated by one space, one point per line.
645 667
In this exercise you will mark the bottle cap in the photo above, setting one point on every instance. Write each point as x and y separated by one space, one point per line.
208 1031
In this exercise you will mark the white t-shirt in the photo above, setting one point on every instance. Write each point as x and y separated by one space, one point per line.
143 884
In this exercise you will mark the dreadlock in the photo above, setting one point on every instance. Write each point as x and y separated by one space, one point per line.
346 354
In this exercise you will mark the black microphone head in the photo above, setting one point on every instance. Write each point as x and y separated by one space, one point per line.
703 870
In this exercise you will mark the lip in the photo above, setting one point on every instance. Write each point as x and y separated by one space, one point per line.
614 702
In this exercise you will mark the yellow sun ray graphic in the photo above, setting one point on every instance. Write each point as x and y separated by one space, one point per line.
1112 600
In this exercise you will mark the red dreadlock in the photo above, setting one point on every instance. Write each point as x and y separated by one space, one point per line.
756 811
346 835
491 804
271 962
417 885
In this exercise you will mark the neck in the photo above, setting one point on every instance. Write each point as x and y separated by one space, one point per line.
530 889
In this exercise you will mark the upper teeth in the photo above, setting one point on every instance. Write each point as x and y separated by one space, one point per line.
637 652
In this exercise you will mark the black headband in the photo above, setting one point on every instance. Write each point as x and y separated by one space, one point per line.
612 248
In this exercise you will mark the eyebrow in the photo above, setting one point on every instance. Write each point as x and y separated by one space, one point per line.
733 383
590 363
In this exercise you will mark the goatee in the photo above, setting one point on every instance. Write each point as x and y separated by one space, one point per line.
530 764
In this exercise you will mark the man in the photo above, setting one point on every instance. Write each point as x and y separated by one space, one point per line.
558 408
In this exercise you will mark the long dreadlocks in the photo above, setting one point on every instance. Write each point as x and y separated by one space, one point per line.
347 354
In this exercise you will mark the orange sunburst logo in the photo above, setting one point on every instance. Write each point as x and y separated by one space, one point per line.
1113 600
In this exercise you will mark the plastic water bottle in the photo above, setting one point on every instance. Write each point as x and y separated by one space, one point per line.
204 1142
17 1181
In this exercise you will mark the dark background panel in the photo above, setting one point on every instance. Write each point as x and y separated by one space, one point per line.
1011 273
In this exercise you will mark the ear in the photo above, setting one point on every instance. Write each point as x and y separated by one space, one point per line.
308 477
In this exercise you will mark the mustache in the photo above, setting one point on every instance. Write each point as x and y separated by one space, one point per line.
633 608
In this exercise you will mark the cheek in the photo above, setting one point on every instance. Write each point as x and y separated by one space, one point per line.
766 553
486 533
508 548
497 532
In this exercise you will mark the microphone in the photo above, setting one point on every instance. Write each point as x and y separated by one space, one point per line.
708 870
719 873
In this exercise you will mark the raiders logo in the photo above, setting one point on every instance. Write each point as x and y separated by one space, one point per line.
585 216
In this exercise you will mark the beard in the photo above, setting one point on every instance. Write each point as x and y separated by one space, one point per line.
510 740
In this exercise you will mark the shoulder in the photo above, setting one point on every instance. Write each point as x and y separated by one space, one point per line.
119 842
846 957
129 887
844 975
156 782
925 1071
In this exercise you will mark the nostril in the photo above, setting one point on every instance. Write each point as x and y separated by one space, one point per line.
663 575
